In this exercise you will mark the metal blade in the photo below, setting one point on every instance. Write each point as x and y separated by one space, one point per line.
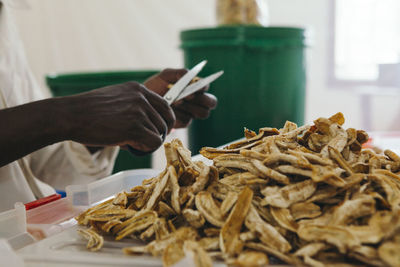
199 84
176 90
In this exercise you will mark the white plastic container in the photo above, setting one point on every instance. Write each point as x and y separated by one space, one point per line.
20 227
13 227
90 194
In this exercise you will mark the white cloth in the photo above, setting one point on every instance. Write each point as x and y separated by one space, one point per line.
57 165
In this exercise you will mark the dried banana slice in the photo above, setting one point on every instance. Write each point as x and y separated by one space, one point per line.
229 236
290 194
251 258
340 237
206 205
228 202
193 217
95 241
309 195
284 218
158 190
268 235
209 243
172 254
304 210
139 222
389 252
199 256
105 215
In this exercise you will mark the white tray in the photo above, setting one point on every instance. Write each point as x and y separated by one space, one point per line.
67 248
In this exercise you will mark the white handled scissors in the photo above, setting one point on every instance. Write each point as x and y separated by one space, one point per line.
183 88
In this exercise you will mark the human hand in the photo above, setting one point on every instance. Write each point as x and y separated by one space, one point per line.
195 106
122 114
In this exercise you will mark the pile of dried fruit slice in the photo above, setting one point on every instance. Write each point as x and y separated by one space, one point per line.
307 195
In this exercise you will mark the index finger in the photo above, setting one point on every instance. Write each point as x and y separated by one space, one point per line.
162 107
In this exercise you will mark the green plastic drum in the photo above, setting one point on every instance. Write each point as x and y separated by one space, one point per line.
75 83
263 82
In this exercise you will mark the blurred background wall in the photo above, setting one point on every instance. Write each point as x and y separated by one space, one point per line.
91 35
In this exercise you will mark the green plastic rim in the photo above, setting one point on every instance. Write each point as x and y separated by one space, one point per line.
92 79
251 36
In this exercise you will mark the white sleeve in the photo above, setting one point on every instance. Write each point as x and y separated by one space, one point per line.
69 163
60 164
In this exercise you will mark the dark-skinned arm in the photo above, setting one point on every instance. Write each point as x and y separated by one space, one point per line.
29 127
123 114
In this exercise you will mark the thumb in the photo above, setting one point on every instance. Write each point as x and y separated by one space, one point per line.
172 75
159 83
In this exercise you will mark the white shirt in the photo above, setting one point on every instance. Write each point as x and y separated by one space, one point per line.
55 166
